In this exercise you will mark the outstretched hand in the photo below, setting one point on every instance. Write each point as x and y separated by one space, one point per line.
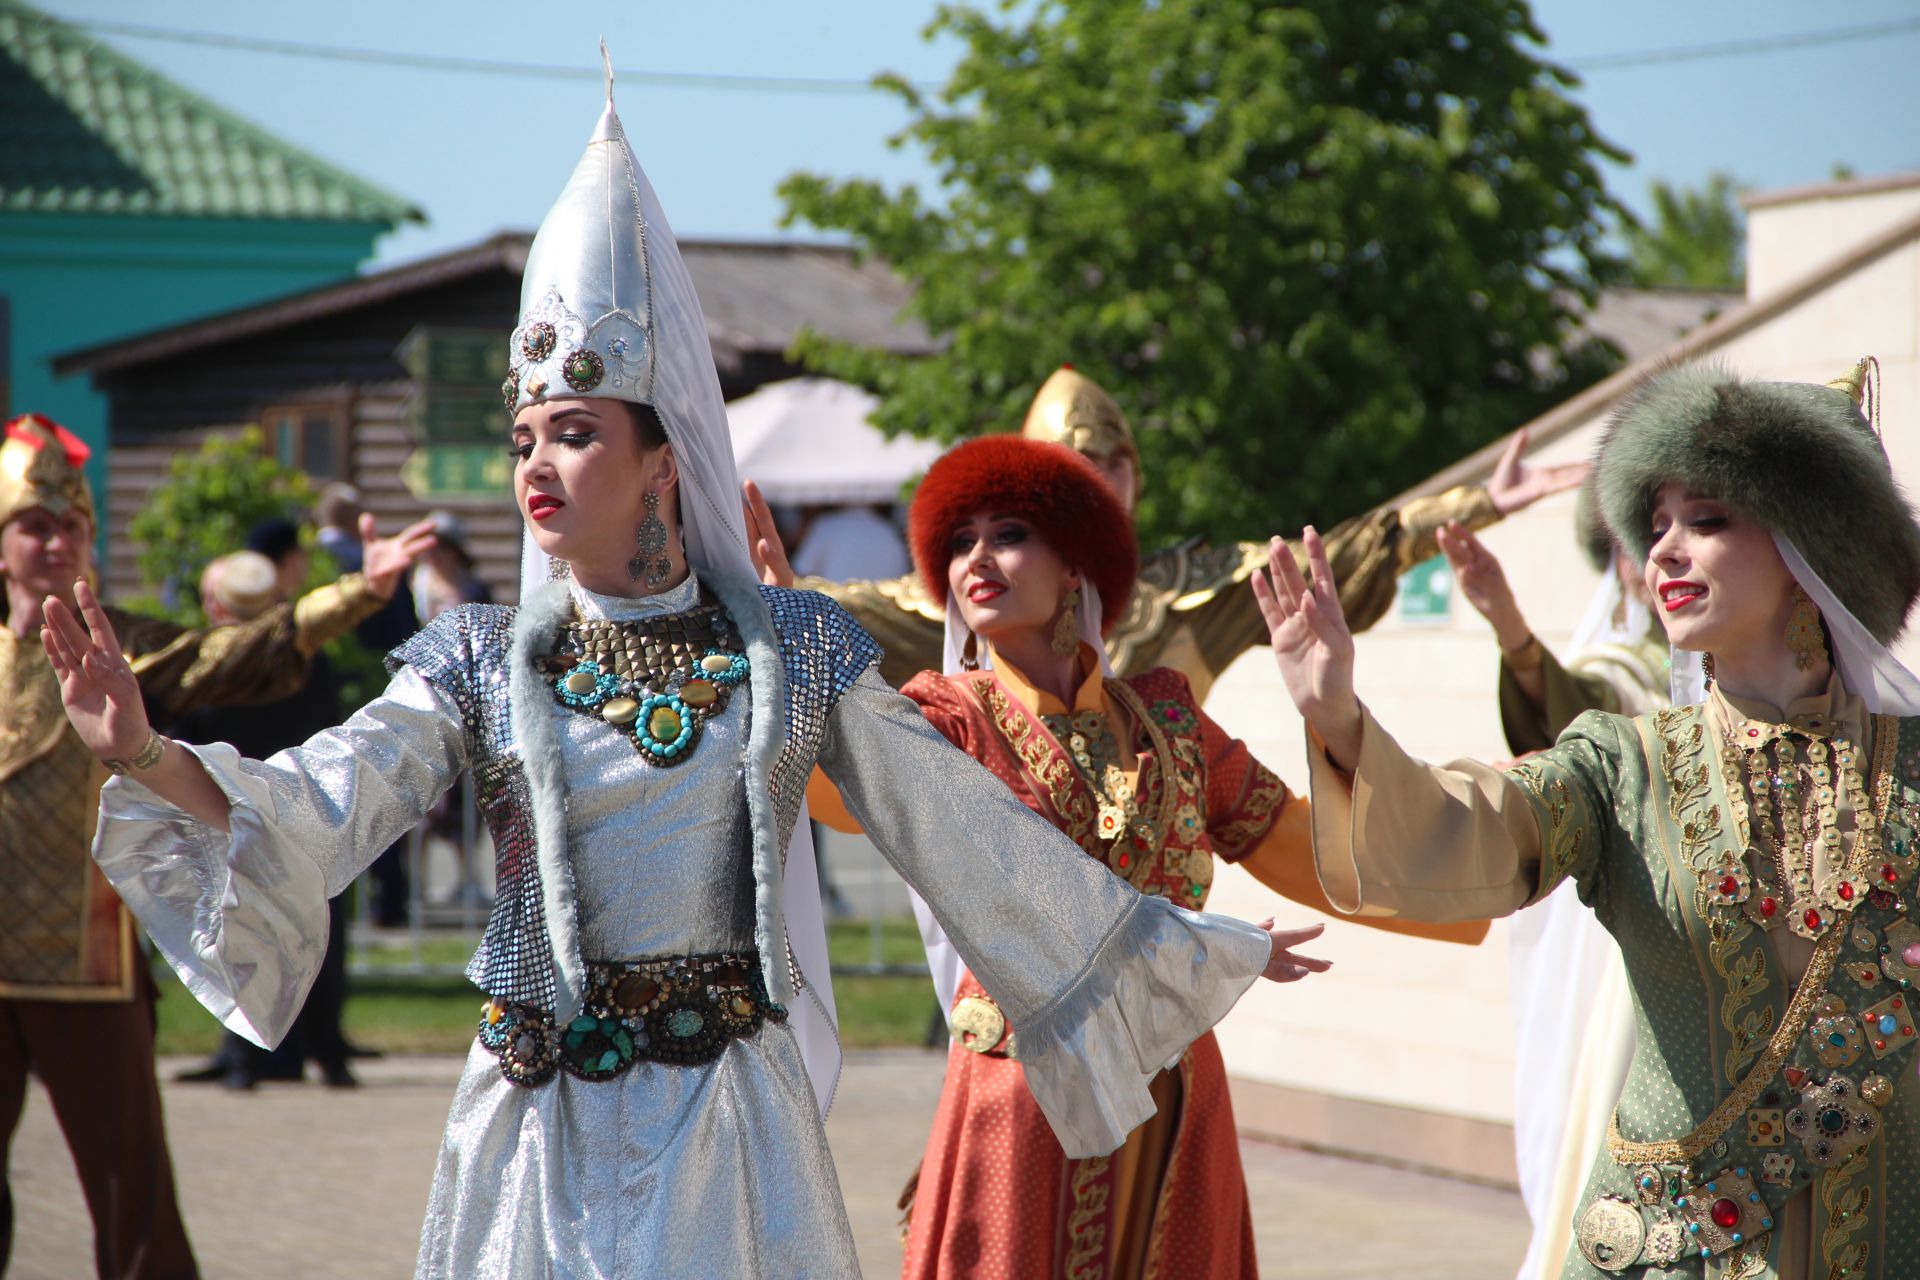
1484 583
1283 965
384 560
1516 486
763 539
97 684
1311 644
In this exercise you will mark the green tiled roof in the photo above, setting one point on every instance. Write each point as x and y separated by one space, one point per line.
84 129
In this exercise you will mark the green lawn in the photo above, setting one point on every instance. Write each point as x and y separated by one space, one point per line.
408 1014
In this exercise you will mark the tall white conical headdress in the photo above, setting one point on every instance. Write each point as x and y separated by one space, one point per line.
608 311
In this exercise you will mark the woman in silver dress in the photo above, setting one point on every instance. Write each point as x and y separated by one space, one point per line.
657 1050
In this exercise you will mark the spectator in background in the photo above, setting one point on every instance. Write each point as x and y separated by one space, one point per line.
445 577
234 589
847 544
338 514
278 541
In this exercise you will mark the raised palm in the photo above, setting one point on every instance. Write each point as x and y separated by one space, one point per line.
97 684
1311 643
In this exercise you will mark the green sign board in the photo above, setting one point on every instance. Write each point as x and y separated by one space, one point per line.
471 357
437 414
438 471
1426 592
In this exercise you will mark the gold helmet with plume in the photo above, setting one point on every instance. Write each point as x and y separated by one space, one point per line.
42 464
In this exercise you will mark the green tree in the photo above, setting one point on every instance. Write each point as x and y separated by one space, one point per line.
1317 250
1698 238
209 502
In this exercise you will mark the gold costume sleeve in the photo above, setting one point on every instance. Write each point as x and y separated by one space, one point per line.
256 661
1367 554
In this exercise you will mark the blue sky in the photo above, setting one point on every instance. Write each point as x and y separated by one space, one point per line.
485 152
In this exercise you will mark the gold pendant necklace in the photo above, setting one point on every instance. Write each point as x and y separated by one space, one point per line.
655 679
1786 807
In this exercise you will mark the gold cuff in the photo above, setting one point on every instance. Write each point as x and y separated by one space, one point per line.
142 760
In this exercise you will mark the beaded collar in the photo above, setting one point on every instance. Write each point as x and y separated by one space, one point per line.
655 668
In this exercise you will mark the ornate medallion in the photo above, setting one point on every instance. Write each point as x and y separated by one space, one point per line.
583 370
537 342
656 680
1610 1233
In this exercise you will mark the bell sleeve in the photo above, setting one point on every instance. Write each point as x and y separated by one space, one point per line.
241 914
1463 841
1105 987
1256 822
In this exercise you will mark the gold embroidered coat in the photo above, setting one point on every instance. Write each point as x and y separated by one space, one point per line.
68 937
1191 609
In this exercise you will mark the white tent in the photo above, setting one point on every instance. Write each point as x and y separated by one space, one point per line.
807 440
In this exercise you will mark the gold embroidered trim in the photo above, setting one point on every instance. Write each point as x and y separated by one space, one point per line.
1847 1210
1086 1236
1562 847
1052 770
1264 796
1813 983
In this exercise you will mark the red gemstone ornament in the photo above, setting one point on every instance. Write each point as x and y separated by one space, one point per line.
1768 906
1846 892
1812 918
1729 885
1795 1077
1726 1214
1888 874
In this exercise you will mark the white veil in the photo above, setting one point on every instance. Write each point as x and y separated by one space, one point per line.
606 273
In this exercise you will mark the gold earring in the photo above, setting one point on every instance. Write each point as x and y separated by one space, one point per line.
970 653
1066 630
1706 666
1804 635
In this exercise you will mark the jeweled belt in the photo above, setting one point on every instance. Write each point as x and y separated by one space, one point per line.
681 1010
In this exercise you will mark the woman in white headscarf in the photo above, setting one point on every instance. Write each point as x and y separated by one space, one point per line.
657 1047
1752 853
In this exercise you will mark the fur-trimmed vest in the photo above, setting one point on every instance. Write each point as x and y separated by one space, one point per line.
805 652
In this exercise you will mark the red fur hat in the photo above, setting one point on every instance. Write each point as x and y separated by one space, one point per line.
1048 485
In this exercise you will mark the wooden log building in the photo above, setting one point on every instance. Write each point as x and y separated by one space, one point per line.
350 380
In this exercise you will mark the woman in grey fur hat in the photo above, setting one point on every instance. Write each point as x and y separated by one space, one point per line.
1751 848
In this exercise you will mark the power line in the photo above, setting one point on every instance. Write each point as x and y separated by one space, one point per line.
487 66
1735 48
844 85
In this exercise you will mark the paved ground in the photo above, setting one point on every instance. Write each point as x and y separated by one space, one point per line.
300 1181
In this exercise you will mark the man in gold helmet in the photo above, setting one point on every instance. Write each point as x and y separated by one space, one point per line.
1191 609
75 995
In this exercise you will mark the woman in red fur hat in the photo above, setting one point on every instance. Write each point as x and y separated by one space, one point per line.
1034 558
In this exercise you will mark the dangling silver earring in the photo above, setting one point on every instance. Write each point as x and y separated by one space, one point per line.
650 561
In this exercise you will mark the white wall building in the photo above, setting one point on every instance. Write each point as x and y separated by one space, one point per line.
1405 1049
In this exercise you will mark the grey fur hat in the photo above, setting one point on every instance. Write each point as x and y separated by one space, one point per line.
1797 457
1590 529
